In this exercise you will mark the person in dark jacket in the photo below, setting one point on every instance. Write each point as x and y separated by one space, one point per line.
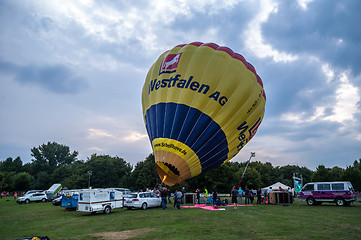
163 194
214 194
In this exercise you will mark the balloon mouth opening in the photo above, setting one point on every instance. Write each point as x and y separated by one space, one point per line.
168 173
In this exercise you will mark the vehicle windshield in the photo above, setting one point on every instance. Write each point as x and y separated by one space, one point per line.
350 187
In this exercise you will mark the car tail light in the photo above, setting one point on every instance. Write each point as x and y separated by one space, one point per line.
135 199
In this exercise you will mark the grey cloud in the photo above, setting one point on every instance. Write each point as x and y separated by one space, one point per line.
318 31
55 78
294 87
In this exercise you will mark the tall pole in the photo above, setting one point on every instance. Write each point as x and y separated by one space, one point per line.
89 173
253 154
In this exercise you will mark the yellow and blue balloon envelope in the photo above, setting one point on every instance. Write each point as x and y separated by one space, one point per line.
201 104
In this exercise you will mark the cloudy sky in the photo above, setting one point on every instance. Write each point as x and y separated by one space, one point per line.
72 72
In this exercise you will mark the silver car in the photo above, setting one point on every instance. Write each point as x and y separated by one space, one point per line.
33 197
142 200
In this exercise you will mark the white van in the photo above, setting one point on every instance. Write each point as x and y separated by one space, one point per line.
106 199
315 193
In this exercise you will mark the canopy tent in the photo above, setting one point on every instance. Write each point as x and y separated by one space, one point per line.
276 186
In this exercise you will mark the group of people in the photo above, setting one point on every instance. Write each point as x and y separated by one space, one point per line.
237 195
165 194
249 195
6 194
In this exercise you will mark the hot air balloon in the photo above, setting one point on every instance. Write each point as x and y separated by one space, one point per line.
202 103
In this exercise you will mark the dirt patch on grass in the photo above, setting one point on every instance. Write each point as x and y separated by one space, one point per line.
120 235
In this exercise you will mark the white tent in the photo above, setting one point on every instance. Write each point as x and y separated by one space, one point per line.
276 186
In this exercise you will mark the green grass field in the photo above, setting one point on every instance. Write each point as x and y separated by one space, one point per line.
297 221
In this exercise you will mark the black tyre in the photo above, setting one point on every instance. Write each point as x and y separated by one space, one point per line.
107 209
27 201
129 208
310 201
43 200
144 206
340 202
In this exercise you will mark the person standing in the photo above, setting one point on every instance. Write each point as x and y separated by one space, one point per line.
198 195
234 194
268 191
175 198
179 199
259 196
205 194
163 194
15 195
246 195
251 195
169 195
214 194
183 192
240 196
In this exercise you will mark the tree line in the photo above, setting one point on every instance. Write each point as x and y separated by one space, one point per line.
55 163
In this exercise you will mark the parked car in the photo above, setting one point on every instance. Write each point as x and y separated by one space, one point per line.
33 191
315 193
32 197
57 201
142 200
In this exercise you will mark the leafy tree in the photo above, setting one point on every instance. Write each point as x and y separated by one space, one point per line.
336 174
107 171
51 155
29 168
192 184
251 178
3 183
267 172
222 177
284 174
61 173
144 174
42 181
23 182
10 165
78 178
324 174
6 181
76 181
353 174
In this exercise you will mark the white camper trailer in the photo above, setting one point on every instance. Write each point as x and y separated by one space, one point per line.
106 199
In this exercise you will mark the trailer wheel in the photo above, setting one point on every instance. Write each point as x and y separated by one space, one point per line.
107 210
144 206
